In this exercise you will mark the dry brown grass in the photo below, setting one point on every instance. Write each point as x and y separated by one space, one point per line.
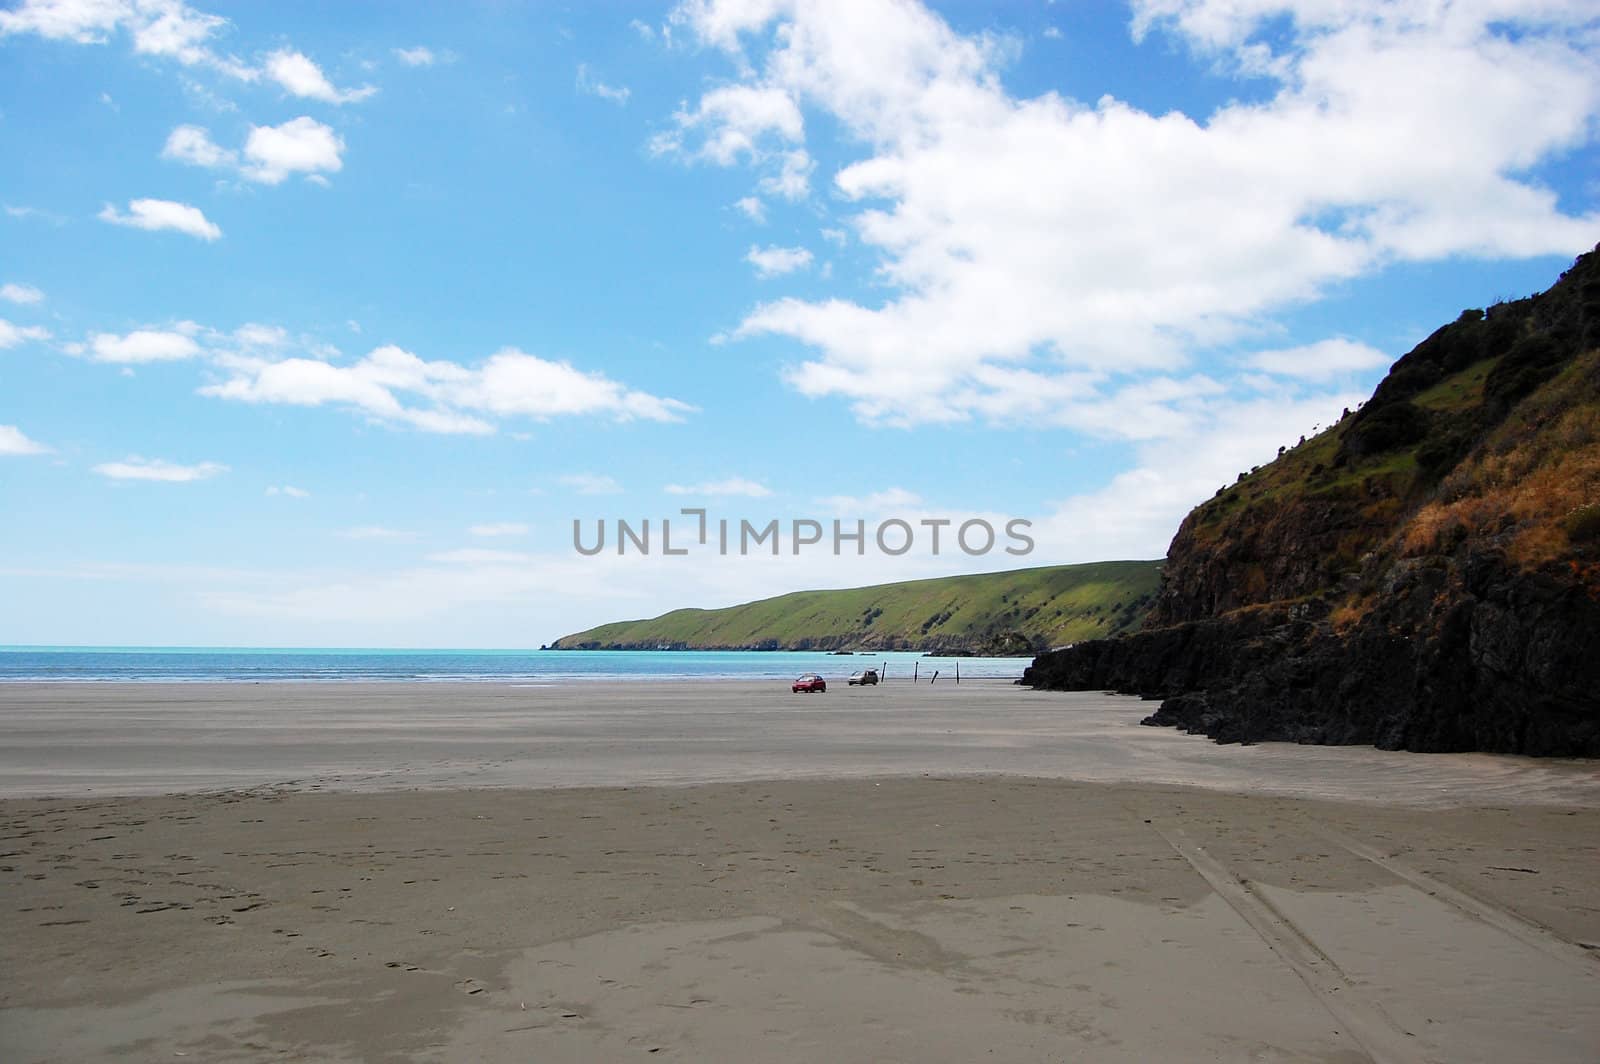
1527 485
1348 614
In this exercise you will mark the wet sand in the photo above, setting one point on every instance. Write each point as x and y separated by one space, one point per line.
70 739
436 887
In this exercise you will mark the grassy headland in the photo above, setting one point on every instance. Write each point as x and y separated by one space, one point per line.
1015 612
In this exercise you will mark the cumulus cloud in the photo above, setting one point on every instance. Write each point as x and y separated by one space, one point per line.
299 146
168 29
776 261
271 153
1082 246
193 145
24 294
757 124
155 214
302 77
591 484
13 443
1319 361
500 528
419 56
752 208
590 85
731 486
1135 513
142 345
136 468
393 385
12 335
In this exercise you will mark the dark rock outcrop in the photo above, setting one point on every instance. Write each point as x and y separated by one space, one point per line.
1422 576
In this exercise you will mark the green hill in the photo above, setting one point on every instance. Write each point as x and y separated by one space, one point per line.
1014 612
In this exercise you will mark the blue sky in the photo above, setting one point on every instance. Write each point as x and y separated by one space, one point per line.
321 324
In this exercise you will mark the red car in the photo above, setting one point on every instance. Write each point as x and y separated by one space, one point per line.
810 682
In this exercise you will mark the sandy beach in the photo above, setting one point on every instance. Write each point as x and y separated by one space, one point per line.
725 872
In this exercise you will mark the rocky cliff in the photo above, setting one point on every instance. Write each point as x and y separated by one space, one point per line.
1424 575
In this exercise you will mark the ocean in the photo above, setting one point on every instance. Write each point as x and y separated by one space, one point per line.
19 664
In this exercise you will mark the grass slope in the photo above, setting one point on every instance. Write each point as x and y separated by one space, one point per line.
1486 437
1015 611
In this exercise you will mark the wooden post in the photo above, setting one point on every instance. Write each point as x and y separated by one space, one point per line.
935 678
958 672
914 667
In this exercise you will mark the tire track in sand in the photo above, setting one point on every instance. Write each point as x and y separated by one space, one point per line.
1362 1018
1504 920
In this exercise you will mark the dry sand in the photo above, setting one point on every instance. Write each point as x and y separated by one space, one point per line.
1446 909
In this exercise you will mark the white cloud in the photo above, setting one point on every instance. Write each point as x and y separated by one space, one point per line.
1319 361
363 532
290 491
166 28
589 85
1083 247
1136 514
643 29
271 153
154 214
776 261
80 21
13 443
25 294
792 181
21 211
458 399
591 484
302 77
300 146
736 120
472 556
1052 33
193 145
142 345
875 503
419 56
12 335
752 208
136 468
731 486
500 528
758 124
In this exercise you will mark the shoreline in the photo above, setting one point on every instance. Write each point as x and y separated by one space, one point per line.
152 739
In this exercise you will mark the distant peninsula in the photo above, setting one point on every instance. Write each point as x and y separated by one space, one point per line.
1020 612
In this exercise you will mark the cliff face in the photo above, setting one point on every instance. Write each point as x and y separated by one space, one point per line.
1423 575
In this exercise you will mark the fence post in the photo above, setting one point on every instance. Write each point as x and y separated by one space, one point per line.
935 678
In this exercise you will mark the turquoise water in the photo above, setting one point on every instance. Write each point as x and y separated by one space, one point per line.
247 665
